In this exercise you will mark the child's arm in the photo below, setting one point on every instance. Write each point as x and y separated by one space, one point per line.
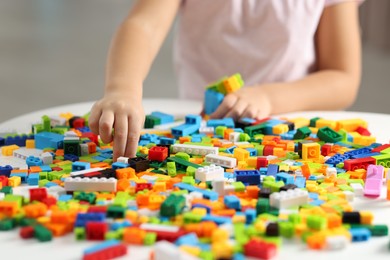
132 52
333 86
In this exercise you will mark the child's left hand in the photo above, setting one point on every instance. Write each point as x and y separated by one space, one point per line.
251 102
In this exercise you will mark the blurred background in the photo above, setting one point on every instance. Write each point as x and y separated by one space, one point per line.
53 52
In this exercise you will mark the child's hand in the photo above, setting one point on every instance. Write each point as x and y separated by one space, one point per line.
250 102
124 113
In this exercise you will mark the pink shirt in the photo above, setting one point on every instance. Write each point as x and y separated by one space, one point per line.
264 40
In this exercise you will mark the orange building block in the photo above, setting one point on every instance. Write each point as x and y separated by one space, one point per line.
8 208
35 210
134 236
125 173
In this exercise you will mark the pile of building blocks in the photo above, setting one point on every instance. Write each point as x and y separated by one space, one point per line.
195 189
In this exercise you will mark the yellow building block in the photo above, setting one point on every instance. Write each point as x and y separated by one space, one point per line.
9 149
252 162
242 164
350 125
30 143
366 217
300 122
324 122
232 83
222 250
192 250
241 154
14 181
280 129
311 151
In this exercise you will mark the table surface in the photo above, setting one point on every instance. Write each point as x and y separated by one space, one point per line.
66 247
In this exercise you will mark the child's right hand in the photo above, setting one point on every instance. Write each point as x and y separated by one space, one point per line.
124 113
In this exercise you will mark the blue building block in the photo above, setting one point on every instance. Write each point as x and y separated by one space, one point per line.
250 216
230 149
285 177
33 179
252 151
71 157
272 169
5 170
359 156
193 120
48 139
164 118
102 246
212 99
300 182
217 219
22 175
336 159
316 202
83 218
45 168
360 234
232 202
84 129
238 256
2 141
263 170
207 194
19 140
190 239
184 130
251 177
313 195
247 120
120 224
360 151
33 161
228 122
166 140
143 142
50 184
79 166
65 197
119 165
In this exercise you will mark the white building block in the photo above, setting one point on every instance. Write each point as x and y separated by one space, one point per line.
234 137
90 184
209 173
289 198
336 242
194 149
56 191
349 195
77 173
148 213
229 188
47 158
158 227
163 250
123 160
224 161
241 143
70 134
331 172
23 153
84 149
357 189
219 186
2 195
57 121
207 130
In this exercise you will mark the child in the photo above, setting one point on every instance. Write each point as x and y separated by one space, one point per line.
293 55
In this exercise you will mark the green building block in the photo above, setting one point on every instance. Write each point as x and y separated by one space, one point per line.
313 121
150 239
294 218
42 183
79 233
114 211
111 235
190 217
328 135
42 233
181 165
182 155
316 222
191 171
286 229
151 121
188 180
302 133
206 255
255 130
6 190
171 167
219 130
84 196
238 186
376 230
27 222
244 137
262 206
172 206
7 224
14 198
72 147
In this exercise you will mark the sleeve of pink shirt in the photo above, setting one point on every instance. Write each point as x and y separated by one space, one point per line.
334 2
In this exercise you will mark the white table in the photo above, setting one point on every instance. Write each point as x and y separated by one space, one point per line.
66 247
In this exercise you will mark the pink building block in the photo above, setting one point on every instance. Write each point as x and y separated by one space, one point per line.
373 185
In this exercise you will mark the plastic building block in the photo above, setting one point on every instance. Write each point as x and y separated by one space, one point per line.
259 249
220 160
373 182
354 164
194 149
158 153
251 177
360 234
5 170
42 233
209 173
212 100
172 206
289 198
90 184
106 250
96 230
48 140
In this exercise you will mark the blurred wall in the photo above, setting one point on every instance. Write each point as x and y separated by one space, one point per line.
53 52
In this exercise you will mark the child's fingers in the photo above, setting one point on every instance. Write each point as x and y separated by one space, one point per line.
227 104
120 135
93 120
250 112
237 110
132 139
105 126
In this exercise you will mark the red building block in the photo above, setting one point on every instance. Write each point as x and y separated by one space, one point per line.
261 162
91 136
96 230
363 131
259 249
4 180
361 163
380 148
107 253
97 209
143 186
38 194
158 153
78 123
326 149
49 201
26 232
268 150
